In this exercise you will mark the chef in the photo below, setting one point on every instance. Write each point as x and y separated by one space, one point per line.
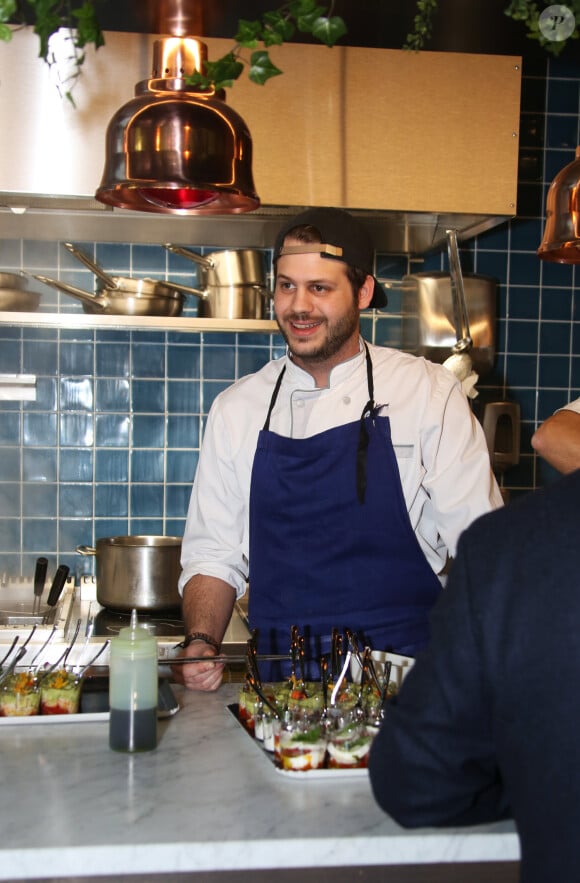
336 479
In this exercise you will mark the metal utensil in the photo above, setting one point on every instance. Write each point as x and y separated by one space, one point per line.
61 661
223 658
464 341
58 583
12 646
79 672
251 681
167 704
41 650
39 579
340 678
10 668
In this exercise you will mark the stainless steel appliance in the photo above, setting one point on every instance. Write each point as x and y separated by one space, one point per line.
78 608
428 323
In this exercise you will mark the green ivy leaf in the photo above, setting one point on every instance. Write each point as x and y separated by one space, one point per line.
249 32
224 71
305 13
7 10
329 30
87 26
262 68
422 25
299 8
277 28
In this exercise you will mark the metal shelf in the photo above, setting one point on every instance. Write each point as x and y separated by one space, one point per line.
138 323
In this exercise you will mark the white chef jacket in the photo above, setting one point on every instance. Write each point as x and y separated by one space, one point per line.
439 445
574 405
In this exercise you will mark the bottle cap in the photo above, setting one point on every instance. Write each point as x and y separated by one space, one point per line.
135 640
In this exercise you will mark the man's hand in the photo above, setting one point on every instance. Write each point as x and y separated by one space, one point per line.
204 676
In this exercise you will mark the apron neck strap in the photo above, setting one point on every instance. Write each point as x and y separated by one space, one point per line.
266 425
363 436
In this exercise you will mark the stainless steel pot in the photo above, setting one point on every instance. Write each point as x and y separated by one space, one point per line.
428 322
14 295
234 283
138 572
244 266
232 302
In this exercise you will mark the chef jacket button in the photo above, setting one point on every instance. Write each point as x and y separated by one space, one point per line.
300 403
346 400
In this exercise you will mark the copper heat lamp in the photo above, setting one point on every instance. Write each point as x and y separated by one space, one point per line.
561 241
174 149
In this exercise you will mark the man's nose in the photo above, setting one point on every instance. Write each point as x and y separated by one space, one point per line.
302 300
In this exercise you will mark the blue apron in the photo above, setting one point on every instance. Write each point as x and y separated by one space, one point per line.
331 544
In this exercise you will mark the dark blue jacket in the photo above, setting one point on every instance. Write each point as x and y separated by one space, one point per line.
487 724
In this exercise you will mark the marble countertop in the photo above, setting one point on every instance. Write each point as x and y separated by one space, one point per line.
206 799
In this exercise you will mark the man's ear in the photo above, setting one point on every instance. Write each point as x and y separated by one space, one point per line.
365 294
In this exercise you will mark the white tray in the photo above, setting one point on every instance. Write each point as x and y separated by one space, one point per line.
299 775
38 719
329 775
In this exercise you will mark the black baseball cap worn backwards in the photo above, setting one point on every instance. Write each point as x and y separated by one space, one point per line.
343 238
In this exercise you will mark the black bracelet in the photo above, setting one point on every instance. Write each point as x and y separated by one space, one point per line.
200 636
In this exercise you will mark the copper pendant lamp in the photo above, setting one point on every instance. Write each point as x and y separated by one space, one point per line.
173 149
561 241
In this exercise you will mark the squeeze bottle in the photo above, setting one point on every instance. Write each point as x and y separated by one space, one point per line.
133 689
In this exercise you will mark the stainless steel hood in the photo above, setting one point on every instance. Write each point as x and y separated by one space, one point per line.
414 143
50 218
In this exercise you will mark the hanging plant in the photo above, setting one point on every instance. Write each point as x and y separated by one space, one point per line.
551 25
273 29
80 25
79 20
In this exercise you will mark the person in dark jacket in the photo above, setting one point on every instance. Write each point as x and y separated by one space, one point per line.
487 723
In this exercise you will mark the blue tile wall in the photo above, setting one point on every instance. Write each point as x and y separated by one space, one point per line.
111 443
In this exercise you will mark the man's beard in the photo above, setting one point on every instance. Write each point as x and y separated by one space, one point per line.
338 333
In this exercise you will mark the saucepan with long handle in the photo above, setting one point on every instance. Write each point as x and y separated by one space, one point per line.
148 297
14 296
234 282
122 295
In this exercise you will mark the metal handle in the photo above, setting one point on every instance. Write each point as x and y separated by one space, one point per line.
462 332
86 550
83 258
190 255
39 579
98 300
58 582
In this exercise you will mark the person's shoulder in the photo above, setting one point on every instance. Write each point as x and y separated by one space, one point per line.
556 505
573 406
394 366
256 382
386 355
